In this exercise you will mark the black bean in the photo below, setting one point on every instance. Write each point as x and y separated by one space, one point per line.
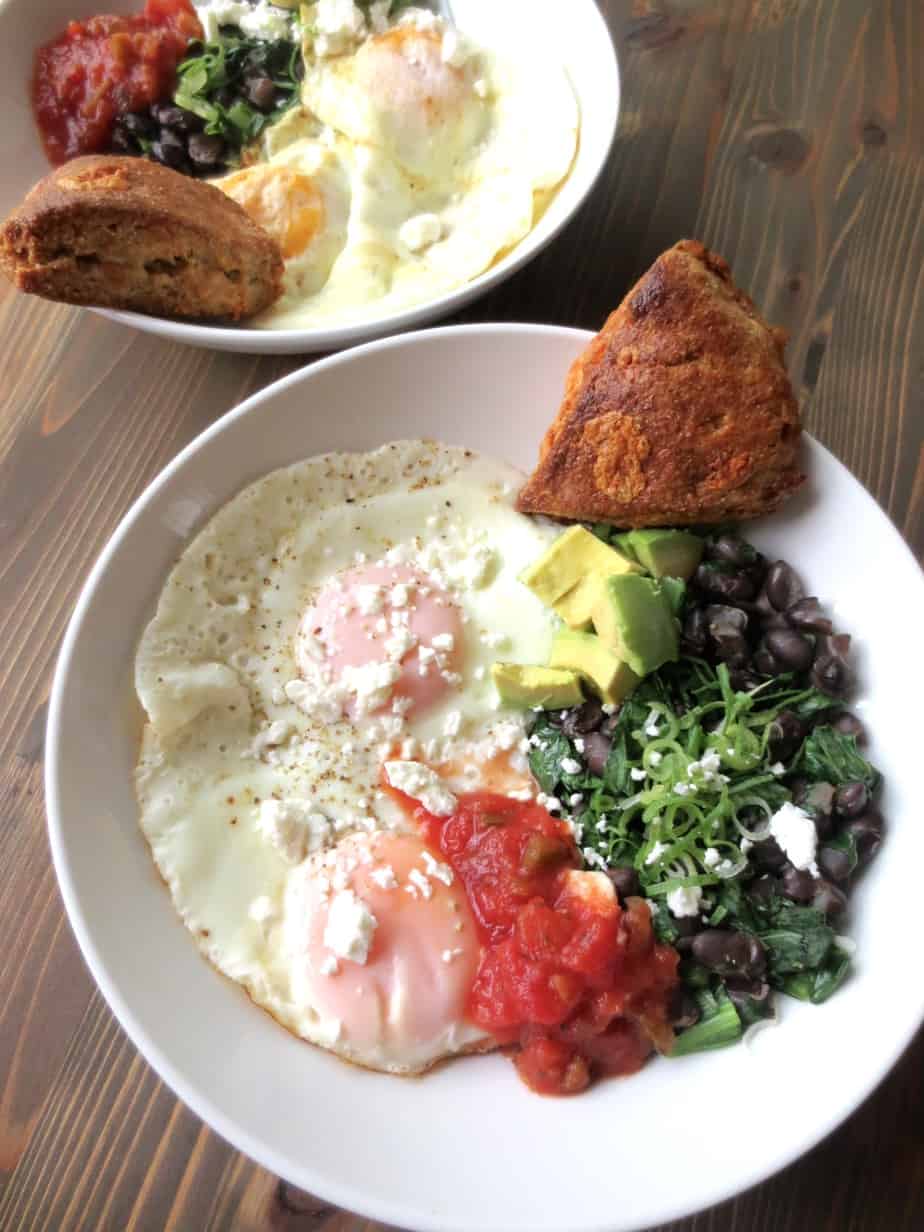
850 725
725 621
782 586
765 663
138 123
764 888
831 675
625 880
695 632
729 953
747 994
797 884
733 650
583 719
206 151
828 897
790 649
724 583
807 614
851 799
555 717
743 679
682 1008
731 549
867 833
596 752
260 92
787 731
798 784
170 151
763 607
767 855
818 799
835 863
123 142
169 115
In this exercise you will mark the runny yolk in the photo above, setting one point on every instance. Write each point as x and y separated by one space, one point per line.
379 614
284 203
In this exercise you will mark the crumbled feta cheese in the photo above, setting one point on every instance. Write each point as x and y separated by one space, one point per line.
338 23
777 768
443 641
370 684
455 49
685 901
350 926
399 644
795 832
420 882
452 723
683 789
638 774
448 955
423 784
260 20
575 799
711 857
370 599
478 673
271 737
278 695
329 965
433 868
294 827
480 86
420 231
655 757
384 877
570 766
657 850
520 793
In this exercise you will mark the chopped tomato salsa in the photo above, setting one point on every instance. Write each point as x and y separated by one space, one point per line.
100 68
573 981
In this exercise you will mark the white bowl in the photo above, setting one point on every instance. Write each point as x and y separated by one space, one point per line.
468 1147
581 42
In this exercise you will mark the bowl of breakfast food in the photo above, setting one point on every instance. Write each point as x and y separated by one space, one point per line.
291 178
496 810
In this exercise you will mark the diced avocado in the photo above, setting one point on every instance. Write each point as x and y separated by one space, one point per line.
606 674
634 619
552 688
576 606
667 553
674 590
573 555
623 542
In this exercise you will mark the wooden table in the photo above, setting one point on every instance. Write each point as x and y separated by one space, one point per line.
787 134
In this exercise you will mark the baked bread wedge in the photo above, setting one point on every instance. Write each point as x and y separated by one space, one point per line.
679 412
128 233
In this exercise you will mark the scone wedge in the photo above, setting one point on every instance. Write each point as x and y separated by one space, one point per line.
128 233
679 412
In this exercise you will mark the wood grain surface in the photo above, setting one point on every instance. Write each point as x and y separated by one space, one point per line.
788 135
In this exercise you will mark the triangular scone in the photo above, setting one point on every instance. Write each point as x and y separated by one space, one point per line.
678 412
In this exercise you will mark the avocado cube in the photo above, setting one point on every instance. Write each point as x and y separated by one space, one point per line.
623 542
667 553
606 674
522 685
565 562
634 619
576 606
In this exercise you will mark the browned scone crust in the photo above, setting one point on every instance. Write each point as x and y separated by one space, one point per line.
128 233
678 412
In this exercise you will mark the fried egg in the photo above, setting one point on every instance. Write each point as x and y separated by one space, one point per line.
443 156
328 633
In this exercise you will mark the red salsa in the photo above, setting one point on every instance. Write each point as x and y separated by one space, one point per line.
103 67
574 982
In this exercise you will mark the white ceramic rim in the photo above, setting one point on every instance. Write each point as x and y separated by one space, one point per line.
202 1106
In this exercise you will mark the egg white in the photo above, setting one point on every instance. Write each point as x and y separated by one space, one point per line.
213 662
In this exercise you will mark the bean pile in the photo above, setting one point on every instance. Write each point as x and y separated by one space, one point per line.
753 616
172 136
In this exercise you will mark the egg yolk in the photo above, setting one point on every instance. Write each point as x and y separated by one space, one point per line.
379 614
412 988
283 202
